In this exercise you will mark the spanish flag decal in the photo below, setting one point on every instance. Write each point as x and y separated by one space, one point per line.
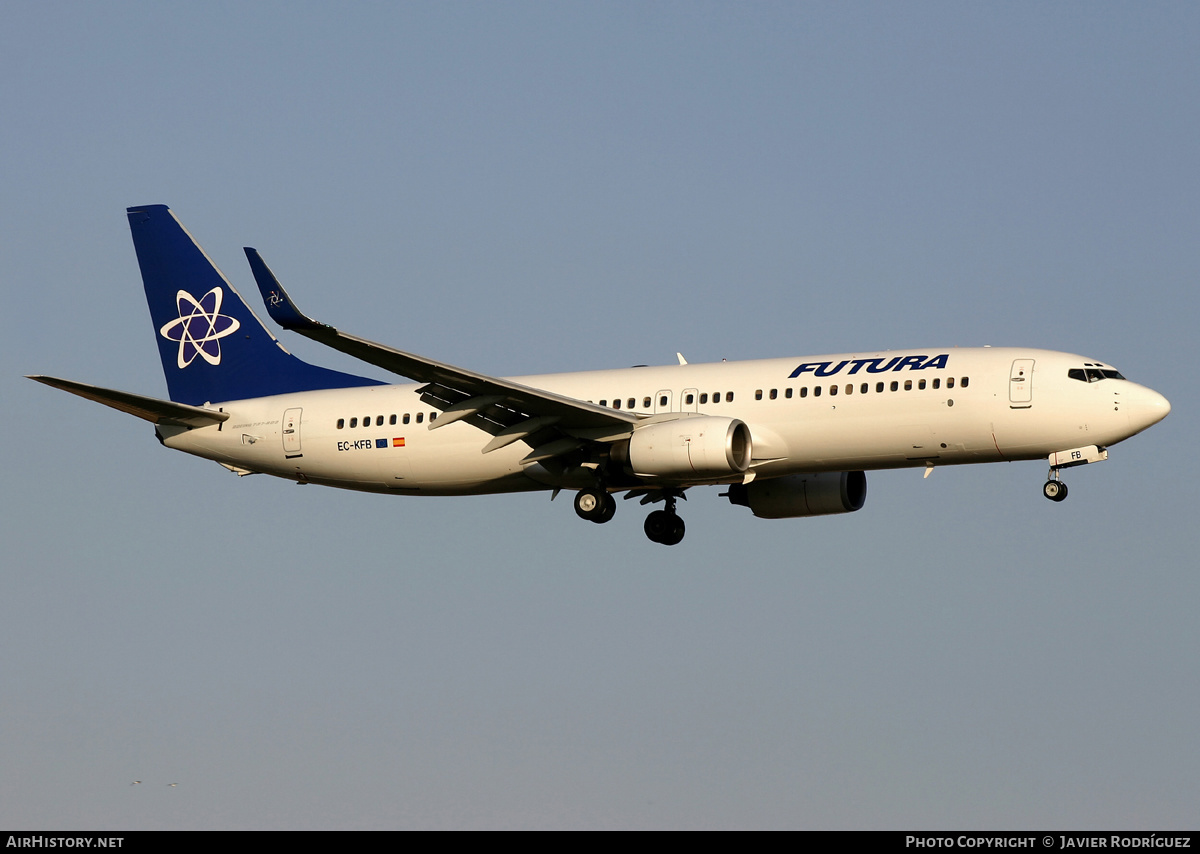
398 443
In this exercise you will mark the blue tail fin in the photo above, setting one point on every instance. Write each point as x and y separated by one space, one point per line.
212 345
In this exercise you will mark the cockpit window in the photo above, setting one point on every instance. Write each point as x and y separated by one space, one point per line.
1094 375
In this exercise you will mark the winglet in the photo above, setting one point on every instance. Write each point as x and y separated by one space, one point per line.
279 305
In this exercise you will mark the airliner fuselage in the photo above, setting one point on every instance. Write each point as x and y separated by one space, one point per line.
972 406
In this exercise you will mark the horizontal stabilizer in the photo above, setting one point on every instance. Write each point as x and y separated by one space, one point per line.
147 408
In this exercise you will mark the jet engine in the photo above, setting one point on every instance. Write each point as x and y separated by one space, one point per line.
703 446
802 494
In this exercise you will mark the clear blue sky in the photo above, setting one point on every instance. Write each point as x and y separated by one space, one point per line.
534 187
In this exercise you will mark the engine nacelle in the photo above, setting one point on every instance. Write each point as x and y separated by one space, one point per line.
704 446
803 494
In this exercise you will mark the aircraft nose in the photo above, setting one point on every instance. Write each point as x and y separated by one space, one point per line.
1147 407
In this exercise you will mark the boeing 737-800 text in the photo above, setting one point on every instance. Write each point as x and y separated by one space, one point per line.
787 437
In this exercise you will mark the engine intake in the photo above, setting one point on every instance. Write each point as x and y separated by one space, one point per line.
796 495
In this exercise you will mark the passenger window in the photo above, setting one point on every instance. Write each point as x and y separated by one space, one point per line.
662 401
787 393
774 393
966 381
616 404
816 391
758 394
629 403
864 388
406 417
878 387
691 399
716 397
937 383
921 384
420 417
341 423
849 388
804 392
729 397
392 420
353 423
908 385
949 382
833 389
378 420
895 386
704 397
646 403
433 416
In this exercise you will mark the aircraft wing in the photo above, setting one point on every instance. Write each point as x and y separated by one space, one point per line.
147 408
508 410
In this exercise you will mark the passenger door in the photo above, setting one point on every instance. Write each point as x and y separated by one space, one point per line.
1020 384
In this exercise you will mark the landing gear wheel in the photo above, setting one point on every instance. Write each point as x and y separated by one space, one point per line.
657 525
1055 490
664 527
588 503
608 509
675 534
595 505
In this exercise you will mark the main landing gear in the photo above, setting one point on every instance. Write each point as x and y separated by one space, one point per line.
665 526
595 505
662 526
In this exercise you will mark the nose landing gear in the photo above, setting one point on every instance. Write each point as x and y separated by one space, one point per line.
1054 489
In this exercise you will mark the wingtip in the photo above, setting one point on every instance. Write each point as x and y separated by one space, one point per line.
279 305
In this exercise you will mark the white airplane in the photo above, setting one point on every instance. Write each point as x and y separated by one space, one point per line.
789 437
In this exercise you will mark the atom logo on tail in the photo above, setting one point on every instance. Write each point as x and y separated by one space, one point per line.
199 327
